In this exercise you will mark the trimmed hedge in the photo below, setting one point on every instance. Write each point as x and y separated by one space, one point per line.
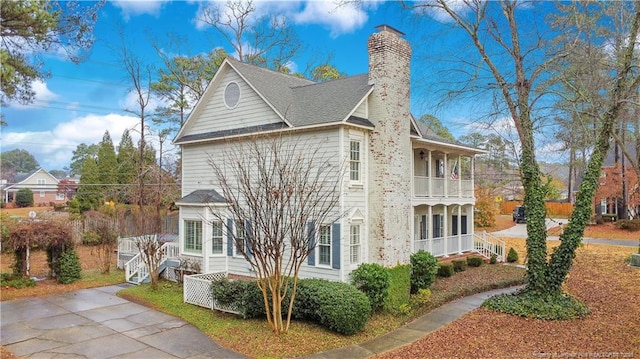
424 267
512 256
445 270
474 261
459 265
373 280
338 306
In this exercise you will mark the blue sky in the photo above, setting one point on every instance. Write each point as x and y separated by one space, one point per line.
79 102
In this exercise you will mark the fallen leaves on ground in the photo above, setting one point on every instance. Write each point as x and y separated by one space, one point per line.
600 277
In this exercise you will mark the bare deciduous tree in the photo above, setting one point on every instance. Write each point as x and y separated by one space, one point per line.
519 71
260 40
278 190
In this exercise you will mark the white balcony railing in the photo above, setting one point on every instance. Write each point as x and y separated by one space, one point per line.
435 187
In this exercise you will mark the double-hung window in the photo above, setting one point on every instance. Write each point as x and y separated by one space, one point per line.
324 245
216 237
354 243
355 161
192 236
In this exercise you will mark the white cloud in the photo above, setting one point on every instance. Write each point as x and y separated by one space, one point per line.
436 12
130 103
339 19
42 95
139 7
54 148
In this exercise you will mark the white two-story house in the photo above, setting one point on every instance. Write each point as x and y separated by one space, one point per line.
406 189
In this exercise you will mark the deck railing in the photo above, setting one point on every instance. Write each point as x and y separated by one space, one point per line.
423 187
484 244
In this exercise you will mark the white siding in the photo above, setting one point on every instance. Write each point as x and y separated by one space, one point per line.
198 174
216 116
361 111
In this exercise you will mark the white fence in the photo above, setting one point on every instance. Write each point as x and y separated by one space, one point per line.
196 290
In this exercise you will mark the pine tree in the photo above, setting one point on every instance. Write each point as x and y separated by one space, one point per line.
107 167
89 196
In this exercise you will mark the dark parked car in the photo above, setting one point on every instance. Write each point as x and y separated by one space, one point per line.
519 215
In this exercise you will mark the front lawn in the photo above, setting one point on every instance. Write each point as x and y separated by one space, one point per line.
255 339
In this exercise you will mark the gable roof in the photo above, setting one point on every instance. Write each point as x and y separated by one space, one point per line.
299 102
22 179
425 133
202 197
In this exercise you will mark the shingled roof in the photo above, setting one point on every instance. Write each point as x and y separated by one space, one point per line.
202 196
304 102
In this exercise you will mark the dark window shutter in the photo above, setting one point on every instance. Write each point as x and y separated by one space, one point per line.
311 237
230 237
248 240
335 245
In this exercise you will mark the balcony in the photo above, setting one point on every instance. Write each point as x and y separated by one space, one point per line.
439 187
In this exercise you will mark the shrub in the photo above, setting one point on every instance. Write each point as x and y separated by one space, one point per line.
373 280
512 256
609 217
631 225
15 281
422 297
493 259
474 261
67 267
399 289
243 295
424 267
459 265
24 198
90 238
338 306
445 270
548 306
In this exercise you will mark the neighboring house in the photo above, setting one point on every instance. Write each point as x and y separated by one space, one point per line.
43 185
614 186
407 189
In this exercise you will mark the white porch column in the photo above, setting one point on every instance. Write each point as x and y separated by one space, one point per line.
459 176
459 229
473 184
206 243
445 228
470 222
445 179
429 229
429 184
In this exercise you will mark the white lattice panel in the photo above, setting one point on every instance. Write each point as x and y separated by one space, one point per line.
197 290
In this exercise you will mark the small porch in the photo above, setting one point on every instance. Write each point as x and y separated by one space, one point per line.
129 258
438 174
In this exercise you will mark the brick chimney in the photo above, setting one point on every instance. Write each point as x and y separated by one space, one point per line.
390 233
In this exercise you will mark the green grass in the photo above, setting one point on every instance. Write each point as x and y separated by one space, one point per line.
255 339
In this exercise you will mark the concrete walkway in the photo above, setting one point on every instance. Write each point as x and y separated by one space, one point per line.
94 323
414 330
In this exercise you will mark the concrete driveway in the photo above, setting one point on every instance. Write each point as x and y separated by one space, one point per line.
520 229
94 323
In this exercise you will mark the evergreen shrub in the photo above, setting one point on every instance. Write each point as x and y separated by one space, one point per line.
424 267
512 256
67 267
459 265
474 261
338 306
493 259
373 280
445 270
24 198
